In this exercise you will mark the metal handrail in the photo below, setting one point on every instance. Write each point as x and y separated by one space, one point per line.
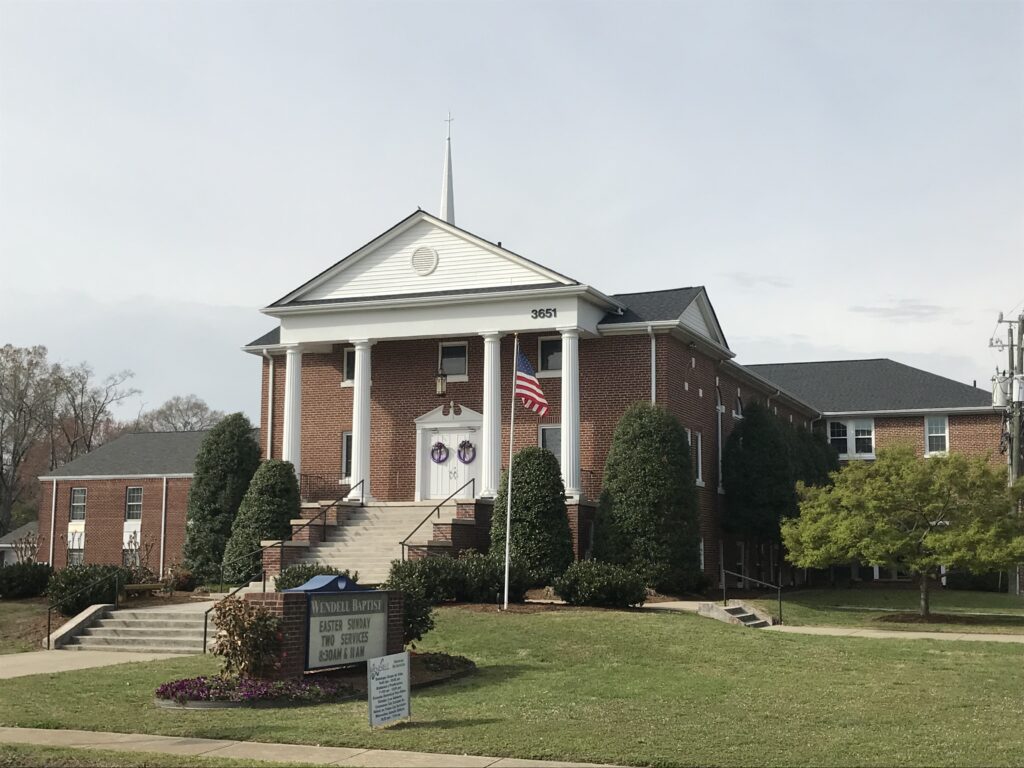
116 576
280 543
437 509
776 587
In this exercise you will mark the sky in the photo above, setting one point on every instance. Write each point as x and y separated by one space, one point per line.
845 178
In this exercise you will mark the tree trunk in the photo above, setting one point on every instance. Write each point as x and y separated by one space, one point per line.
925 609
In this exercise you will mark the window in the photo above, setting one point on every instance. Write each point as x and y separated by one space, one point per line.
549 356
550 439
452 361
719 410
936 430
133 504
78 503
76 556
854 438
696 443
346 455
130 558
348 368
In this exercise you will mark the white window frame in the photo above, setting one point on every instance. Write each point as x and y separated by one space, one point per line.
128 504
454 377
945 434
345 458
348 378
546 373
83 504
698 466
540 441
851 438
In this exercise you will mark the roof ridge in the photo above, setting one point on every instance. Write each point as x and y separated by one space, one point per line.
659 290
846 360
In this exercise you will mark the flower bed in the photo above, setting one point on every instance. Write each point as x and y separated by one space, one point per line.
246 690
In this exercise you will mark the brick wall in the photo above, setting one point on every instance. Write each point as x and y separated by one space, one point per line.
104 519
972 435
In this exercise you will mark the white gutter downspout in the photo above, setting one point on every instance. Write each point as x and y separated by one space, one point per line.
270 406
163 528
654 367
53 519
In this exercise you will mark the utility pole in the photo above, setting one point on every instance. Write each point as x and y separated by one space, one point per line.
1008 394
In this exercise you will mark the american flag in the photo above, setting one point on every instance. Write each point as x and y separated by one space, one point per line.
528 388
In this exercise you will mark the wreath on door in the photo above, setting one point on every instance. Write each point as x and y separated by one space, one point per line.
439 453
466 452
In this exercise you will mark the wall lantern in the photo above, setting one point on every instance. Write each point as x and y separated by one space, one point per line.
441 383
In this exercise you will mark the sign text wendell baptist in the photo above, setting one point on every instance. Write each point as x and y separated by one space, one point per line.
346 628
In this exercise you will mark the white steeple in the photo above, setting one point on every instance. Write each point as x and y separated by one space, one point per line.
447 187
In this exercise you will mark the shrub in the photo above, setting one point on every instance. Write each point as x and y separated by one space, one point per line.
227 459
178 579
74 589
266 511
249 640
541 539
483 578
23 580
647 516
589 582
418 613
297 575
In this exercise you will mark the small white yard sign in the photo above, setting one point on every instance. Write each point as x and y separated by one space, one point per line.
387 683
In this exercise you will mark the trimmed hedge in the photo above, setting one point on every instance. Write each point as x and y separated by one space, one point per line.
589 582
63 588
297 575
24 580
541 539
268 507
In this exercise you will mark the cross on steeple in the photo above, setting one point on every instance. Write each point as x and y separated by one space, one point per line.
449 121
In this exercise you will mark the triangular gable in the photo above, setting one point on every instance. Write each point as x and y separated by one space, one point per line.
450 413
423 254
699 316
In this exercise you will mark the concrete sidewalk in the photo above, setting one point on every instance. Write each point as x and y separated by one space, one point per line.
251 750
48 662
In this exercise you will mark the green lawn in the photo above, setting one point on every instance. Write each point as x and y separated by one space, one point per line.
23 624
22 755
878 608
630 688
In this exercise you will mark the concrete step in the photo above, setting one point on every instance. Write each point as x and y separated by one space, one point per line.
759 624
189 616
134 632
190 625
178 644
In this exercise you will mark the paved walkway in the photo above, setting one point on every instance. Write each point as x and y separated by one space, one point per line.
251 750
691 606
48 662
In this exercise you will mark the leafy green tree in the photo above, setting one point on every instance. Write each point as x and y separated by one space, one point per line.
915 512
647 516
269 505
541 540
762 461
227 459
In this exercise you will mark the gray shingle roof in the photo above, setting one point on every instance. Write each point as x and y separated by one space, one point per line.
840 386
18 533
652 305
269 339
138 453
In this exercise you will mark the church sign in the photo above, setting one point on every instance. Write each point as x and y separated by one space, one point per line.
346 628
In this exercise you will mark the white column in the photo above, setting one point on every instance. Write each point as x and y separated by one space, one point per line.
571 411
291 444
361 422
490 440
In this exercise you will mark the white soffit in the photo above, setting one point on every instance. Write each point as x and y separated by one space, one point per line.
424 256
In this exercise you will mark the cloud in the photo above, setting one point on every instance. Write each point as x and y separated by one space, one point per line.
753 280
903 309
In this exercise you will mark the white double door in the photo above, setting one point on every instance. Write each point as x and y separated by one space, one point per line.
448 468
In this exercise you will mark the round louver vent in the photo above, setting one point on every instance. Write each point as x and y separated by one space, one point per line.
424 260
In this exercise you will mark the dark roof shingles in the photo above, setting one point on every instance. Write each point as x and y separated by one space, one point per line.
138 453
652 305
877 385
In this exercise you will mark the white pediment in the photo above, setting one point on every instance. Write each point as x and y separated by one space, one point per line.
450 414
424 255
700 317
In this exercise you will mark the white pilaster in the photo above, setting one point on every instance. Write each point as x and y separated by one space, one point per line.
571 411
361 422
490 441
291 444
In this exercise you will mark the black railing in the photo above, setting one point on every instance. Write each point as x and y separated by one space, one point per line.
437 510
280 544
116 576
317 486
776 587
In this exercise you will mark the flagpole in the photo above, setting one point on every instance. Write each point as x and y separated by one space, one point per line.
511 440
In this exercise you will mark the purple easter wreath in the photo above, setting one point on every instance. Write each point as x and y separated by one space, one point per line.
466 452
439 453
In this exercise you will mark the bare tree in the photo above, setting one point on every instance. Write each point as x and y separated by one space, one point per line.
82 418
180 414
26 395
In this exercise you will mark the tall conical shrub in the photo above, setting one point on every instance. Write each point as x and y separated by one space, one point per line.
227 459
269 505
